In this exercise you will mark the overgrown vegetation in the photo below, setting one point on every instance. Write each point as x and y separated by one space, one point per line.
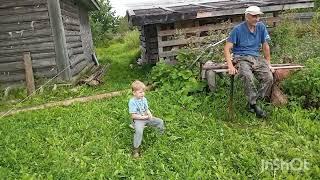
104 23
93 140
304 86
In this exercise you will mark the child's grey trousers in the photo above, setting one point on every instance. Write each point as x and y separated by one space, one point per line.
139 125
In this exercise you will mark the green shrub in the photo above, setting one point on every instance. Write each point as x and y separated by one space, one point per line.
294 42
131 39
179 80
304 86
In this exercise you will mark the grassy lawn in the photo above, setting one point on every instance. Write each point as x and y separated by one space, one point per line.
93 140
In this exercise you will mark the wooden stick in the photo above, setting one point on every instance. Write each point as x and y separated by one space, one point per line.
29 73
64 103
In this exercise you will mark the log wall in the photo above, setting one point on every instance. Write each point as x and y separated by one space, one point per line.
25 27
76 24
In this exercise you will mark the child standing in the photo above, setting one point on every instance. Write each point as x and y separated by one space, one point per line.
141 115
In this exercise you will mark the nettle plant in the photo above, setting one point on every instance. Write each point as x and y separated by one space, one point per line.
182 80
304 86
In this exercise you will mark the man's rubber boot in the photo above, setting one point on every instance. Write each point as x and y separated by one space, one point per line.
259 112
250 109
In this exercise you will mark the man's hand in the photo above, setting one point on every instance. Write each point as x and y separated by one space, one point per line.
271 68
232 70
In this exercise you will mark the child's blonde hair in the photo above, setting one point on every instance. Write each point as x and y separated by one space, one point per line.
137 85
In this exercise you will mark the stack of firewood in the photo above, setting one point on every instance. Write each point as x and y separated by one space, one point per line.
95 76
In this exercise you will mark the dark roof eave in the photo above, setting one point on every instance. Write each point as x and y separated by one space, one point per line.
92 5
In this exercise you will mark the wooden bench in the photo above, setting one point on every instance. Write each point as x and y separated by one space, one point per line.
210 70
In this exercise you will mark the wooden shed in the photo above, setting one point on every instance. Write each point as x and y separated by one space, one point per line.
56 34
159 25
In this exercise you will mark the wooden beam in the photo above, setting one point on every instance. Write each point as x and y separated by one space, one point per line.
29 73
62 58
204 5
167 9
16 66
196 29
131 12
181 41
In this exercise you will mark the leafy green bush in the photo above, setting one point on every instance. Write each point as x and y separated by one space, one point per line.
294 41
178 80
104 23
131 39
304 86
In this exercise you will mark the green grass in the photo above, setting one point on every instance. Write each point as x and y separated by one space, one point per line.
93 140
119 55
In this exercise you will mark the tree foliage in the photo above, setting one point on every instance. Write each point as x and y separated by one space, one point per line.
104 22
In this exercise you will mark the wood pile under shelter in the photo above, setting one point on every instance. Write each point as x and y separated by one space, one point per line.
56 34
159 25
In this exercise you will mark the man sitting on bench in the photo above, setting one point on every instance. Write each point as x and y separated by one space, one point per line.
245 41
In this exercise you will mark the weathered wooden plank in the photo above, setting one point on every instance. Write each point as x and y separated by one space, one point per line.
70 14
74 51
23 10
69 27
36 16
181 41
74 45
73 39
74 60
20 76
71 21
159 39
72 33
16 3
19 42
29 73
30 48
270 21
167 9
15 66
70 7
25 26
213 27
19 58
25 34
71 3
79 67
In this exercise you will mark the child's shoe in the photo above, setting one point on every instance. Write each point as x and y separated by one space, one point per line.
136 152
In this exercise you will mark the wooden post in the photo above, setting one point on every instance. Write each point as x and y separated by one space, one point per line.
29 73
60 42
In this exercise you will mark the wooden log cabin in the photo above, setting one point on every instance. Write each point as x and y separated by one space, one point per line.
159 25
56 33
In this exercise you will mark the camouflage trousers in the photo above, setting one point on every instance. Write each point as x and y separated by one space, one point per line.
250 67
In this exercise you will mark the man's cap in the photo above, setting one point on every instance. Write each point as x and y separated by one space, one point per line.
253 10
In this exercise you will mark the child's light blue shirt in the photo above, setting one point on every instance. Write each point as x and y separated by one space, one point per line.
138 106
